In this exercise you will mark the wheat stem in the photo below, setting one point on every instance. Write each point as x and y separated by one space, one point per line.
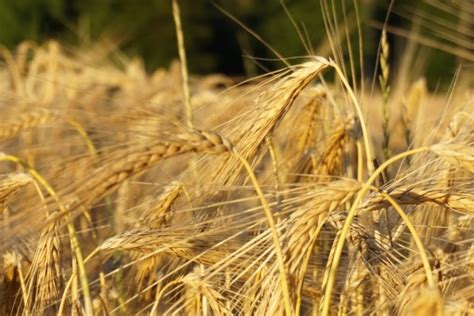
184 66
69 283
275 237
82 132
414 234
348 221
358 108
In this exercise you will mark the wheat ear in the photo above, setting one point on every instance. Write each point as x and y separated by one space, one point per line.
384 85
11 185
26 122
52 227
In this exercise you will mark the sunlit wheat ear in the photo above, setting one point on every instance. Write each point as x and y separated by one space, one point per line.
304 222
311 114
14 267
25 122
144 240
135 160
330 161
427 301
10 185
411 108
303 143
158 211
275 102
305 226
305 140
271 107
195 289
458 155
156 242
44 280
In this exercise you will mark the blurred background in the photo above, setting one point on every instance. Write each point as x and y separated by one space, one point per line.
216 43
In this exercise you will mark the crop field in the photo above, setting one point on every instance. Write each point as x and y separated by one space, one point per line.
303 191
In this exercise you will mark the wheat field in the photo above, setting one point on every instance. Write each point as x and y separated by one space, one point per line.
297 192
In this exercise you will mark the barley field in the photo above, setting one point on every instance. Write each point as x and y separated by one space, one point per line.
302 191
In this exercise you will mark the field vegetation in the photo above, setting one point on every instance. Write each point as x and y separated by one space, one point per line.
315 189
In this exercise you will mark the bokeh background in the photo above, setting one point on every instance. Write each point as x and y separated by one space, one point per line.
215 43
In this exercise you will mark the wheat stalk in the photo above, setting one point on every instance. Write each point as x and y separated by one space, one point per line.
183 64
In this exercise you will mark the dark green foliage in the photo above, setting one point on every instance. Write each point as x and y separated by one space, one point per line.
213 42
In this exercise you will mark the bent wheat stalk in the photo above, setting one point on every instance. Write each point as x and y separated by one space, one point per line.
453 153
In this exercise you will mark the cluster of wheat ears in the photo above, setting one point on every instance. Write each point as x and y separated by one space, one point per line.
285 194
